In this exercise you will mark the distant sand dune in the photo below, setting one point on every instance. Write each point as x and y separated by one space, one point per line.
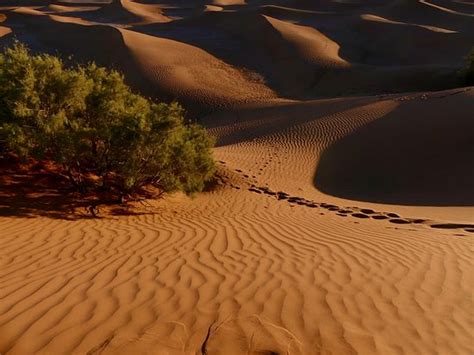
423 14
69 10
188 73
181 72
300 53
4 31
130 12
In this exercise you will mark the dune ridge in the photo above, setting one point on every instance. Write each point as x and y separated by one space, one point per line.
130 12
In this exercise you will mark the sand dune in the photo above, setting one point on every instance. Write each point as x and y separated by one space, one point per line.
422 48
429 149
4 31
269 279
458 6
181 72
303 54
129 12
189 73
231 35
290 56
422 13
328 143
384 20
68 9
338 225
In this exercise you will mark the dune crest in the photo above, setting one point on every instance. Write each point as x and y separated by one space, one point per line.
131 12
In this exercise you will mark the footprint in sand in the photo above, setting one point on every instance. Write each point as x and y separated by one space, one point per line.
361 213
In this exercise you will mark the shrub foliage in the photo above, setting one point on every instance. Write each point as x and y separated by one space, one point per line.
86 119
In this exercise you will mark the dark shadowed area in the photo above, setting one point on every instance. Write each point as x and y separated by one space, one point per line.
409 157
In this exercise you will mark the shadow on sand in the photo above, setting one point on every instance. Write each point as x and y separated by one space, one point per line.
31 190
417 155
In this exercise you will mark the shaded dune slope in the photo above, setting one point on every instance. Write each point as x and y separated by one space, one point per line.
129 12
414 155
397 149
190 74
312 58
287 56
158 67
420 12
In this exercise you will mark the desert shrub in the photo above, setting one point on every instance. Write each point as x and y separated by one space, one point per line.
467 73
86 119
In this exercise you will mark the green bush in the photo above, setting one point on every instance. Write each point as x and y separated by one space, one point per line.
86 119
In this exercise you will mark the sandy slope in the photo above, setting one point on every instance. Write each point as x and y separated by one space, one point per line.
156 66
339 225
278 277
266 274
129 12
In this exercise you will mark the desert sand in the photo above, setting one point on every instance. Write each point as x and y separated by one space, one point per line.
343 217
